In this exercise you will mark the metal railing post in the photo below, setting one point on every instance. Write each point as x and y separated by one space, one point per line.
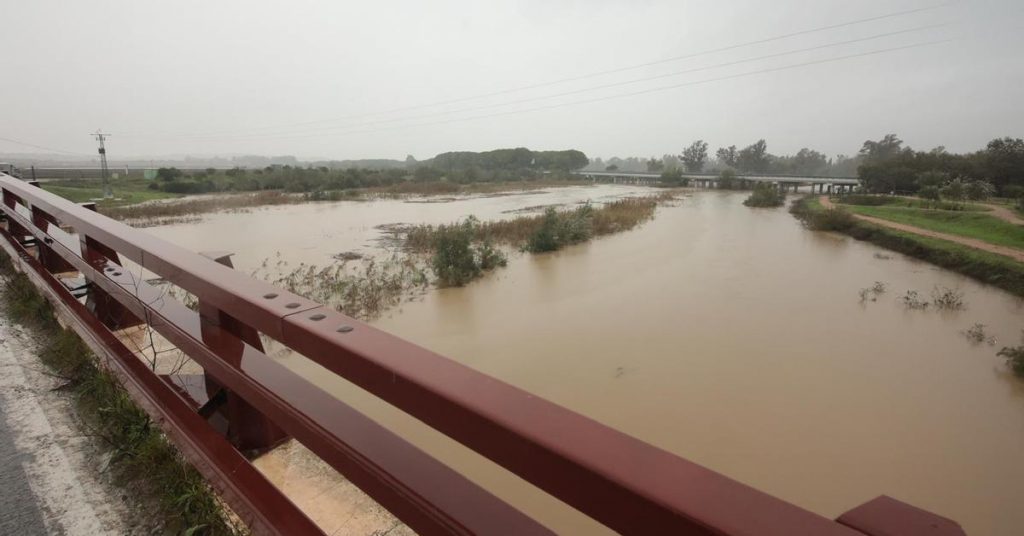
108 310
247 428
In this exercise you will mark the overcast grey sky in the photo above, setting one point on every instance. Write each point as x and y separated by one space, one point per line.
350 79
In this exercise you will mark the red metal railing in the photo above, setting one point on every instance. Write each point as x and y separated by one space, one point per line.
626 484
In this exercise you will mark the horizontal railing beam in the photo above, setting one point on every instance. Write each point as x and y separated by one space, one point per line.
622 482
263 508
427 495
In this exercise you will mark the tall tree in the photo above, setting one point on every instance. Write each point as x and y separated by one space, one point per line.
754 157
1002 162
727 155
695 156
808 161
879 151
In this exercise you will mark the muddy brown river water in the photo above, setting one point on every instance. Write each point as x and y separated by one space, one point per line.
730 336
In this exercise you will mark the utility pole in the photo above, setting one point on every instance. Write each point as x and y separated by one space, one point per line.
101 137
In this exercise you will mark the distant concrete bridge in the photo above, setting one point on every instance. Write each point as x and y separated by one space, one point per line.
700 180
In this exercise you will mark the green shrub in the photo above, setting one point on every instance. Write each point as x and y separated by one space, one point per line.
545 238
456 261
558 230
766 195
727 179
1014 357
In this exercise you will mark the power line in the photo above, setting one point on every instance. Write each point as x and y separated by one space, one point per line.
583 90
599 73
34 146
640 92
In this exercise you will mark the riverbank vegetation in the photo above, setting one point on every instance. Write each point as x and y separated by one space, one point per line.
986 267
613 217
142 459
176 209
977 334
1014 356
457 260
464 250
766 195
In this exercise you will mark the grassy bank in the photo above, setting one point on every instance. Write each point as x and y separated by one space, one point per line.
134 200
148 467
983 266
183 209
968 224
126 191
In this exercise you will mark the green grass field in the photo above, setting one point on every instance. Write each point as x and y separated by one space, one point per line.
967 224
126 191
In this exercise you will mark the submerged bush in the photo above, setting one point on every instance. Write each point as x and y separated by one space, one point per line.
456 261
1014 358
558 230
977 335
362 290
948 298
766 195
912 300
873 292
545 237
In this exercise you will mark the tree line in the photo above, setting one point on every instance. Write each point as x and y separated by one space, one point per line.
890 166
882 166
753 158
461 167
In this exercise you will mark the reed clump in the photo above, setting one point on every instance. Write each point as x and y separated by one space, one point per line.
182 209
362 290
614 217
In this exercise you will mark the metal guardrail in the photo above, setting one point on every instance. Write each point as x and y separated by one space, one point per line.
622 482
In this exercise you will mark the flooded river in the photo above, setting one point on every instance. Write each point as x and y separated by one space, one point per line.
727 335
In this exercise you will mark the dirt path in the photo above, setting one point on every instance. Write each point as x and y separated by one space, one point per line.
1005 213
1013 253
